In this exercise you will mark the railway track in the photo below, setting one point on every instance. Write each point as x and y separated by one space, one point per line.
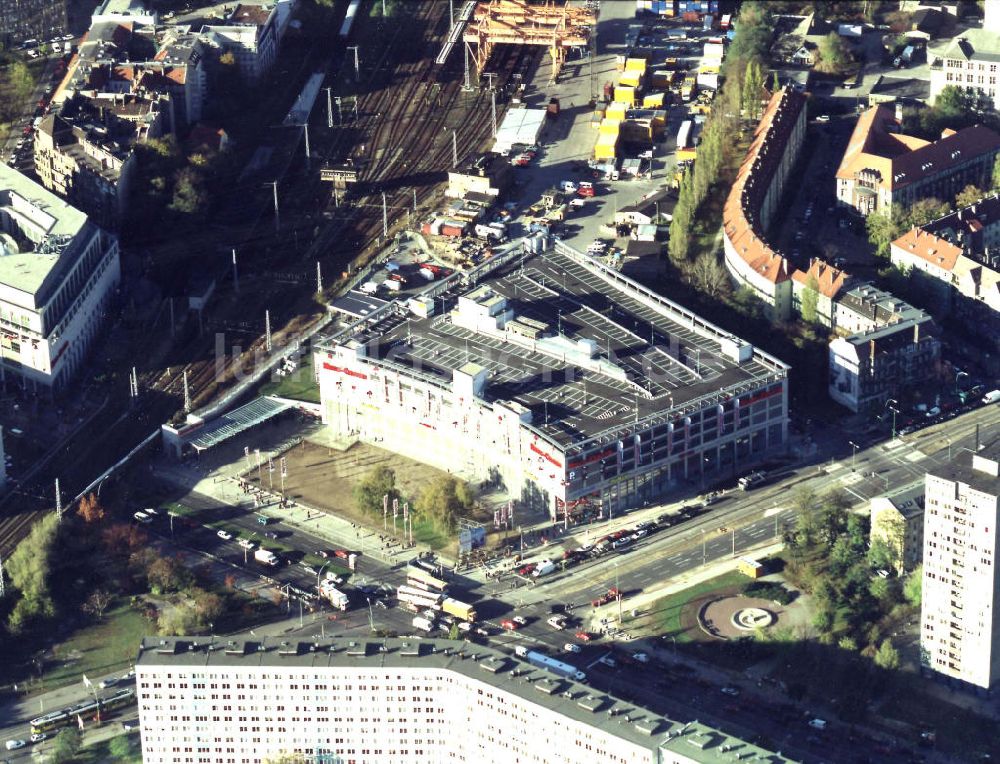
405 125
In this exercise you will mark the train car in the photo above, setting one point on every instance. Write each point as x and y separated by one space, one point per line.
345 28
85 710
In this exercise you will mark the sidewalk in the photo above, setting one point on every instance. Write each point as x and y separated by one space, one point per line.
222 484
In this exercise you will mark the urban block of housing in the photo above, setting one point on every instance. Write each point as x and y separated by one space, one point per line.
133 79
58 278
243 699
885 344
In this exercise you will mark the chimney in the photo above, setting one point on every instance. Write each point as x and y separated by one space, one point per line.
916 334
899 112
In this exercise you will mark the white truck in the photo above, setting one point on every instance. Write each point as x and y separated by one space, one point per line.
265 557
424 624
993 396
336 597
544 568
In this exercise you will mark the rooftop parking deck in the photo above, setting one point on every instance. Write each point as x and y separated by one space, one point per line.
611 352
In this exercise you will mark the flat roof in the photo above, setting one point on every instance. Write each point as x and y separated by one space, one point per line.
576 701
48 221
614 353
357 304
979 471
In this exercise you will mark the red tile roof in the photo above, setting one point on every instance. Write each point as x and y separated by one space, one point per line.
740 215
929 247
904 159
829 280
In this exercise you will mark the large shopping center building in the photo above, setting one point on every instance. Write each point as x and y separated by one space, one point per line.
558 378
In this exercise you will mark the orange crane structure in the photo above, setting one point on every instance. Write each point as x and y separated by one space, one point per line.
516 22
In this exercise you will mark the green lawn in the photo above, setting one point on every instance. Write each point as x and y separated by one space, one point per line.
666 612
98 648
300 385
100 752
425 532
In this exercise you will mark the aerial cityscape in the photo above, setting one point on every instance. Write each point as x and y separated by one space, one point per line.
548 381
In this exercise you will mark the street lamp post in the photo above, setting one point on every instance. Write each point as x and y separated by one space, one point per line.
704 550
619 594
948 440
371 615
891 405
320 572
854 453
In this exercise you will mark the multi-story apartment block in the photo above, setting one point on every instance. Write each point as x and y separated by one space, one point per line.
957 259
398 701
252 34
870 367
866 308
882 167
826 281
970 59
756 195
881 345
58 273
22 20
897 521
960 617
752 203
84 153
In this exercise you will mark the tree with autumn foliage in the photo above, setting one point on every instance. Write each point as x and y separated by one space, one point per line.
90 509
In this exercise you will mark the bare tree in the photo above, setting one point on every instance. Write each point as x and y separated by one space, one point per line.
708 275
98 602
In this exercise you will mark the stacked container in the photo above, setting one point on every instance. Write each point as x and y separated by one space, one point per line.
631 79
625 95
610 127
653 101
616 111
606 146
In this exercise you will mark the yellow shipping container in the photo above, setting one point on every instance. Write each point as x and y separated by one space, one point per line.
653 101
630 80
625 95
606 146
610 126
616 111
635 65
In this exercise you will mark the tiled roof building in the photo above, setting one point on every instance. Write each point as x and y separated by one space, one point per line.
882 167
752 202
958 257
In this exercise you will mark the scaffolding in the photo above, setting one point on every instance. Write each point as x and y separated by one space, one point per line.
515 22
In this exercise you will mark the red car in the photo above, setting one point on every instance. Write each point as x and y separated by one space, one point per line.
508 625
583 636
526 569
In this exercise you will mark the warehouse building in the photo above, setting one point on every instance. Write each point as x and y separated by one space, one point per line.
242 700
58 275
559 380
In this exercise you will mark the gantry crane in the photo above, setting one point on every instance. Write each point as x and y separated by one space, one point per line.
517 22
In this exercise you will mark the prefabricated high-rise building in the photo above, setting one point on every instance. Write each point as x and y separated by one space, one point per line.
960 617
